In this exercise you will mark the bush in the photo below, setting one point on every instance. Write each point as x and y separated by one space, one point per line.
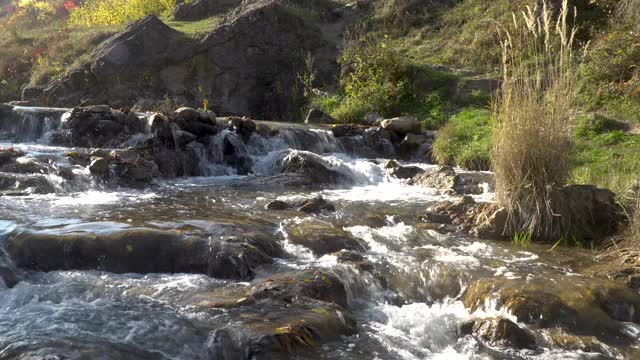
532 125
110 12
465 141
377 81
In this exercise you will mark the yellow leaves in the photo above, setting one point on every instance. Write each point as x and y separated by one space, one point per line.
297 332
111 12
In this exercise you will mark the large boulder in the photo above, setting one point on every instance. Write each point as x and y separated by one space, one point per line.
128 66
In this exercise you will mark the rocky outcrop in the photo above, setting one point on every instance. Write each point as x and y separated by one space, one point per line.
248 64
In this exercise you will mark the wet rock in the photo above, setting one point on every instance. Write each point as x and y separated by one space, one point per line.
26 165
402 125
353 258
195 123
343 130
465 216
316 116
415 146
579 305
446 178
322 238
9 274
136 173
316 205
234 260
135 250
317 170
99 167
406 172
9 156
25 184
126 156
78 158
243 126
380 141
500 332
290 287
278 205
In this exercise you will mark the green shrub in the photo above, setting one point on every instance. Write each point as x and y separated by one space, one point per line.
110 12
377 81
466 140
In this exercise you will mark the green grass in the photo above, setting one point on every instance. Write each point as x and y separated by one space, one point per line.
603 157
194 29
465 140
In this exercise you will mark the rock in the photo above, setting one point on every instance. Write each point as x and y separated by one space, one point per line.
405 172
501 332
353 258
316 205
99 167
380 141
322 238
595 212
445 178
415 146
578 305
9 274
402 125
243 126
127 155
136 173
9 156
289 287
233 260
314 168
316 116
135 250
372 119
187 114
25 184
342 130
277 205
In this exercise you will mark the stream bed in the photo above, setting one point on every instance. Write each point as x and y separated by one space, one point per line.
400 285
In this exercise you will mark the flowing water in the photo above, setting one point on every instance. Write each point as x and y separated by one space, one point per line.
407 307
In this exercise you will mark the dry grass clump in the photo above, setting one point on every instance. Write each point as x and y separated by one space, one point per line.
533 116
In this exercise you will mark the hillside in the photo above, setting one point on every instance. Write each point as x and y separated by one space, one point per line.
425 59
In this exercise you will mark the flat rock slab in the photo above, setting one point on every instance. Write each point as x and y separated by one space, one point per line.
136 250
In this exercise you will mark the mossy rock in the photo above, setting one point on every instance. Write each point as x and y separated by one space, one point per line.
579 305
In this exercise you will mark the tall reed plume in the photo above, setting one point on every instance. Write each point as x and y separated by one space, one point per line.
532 120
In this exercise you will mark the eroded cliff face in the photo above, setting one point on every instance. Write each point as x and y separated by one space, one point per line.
249 64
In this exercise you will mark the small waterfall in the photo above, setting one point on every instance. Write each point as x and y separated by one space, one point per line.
30 124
